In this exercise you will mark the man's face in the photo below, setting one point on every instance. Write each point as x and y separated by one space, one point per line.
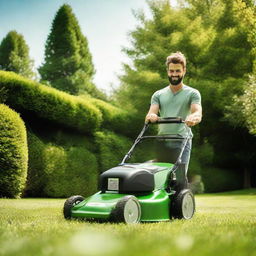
176 73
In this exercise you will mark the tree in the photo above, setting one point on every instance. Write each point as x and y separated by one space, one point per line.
170 30
241 111
68 63
245 11
230 53
14 55
219 57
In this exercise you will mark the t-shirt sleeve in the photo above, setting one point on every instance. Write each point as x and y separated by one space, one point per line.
196 97
155 99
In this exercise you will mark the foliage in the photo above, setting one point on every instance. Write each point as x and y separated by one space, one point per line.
217 180
245 11
201 155
224 224
245 105
68 63
111 149
230 52
13 153
60 170
114 118
220 55
241 111
248 101
48 103
69 172
36 180
14 55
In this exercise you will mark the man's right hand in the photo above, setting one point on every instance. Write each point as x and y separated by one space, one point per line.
152 118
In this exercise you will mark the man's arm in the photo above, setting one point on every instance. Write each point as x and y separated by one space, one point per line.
152 113
196 115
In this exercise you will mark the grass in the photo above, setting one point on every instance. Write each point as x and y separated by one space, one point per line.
224 224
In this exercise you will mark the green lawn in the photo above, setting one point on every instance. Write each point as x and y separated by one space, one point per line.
224 224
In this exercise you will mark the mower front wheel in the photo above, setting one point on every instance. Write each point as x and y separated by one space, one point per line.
127 210
183 205
69 204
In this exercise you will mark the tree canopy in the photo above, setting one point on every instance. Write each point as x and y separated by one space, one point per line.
220 54
68 62
14 55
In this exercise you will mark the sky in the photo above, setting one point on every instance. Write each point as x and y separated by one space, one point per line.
105 23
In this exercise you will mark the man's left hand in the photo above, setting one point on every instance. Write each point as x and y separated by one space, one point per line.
192 120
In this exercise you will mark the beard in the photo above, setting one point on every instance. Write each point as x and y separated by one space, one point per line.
174 81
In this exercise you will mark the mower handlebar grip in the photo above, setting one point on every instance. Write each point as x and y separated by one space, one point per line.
169 120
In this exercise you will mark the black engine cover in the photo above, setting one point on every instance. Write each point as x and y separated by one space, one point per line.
127 179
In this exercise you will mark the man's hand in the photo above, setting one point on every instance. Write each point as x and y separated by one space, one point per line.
152 118
196 115
193 119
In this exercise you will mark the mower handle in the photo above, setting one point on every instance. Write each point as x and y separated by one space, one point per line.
168 120
164 120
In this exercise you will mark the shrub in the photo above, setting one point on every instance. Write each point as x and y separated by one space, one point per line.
13 153
36 179
69 172
114 118
201 155
213 179
82 171
112 148
218 180
60 170
48 103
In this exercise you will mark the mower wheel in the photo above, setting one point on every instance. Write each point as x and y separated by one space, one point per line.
69 204
127 210
183 205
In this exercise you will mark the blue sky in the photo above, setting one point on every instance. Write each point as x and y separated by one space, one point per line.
105 23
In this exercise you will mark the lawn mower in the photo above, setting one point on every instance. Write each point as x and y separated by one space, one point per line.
137 192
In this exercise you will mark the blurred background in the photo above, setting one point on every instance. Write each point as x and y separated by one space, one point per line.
77 77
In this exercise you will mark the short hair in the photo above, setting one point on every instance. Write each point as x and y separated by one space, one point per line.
176 58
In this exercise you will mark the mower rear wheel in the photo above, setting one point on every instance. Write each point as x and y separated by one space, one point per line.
127 210
183 205
69 204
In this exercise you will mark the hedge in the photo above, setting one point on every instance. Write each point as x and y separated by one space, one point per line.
218 179
36 180
111 149
13 153
214 179
114 118
70 172
59 170
82 113
45 102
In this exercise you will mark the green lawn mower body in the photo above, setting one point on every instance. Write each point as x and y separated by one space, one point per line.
135 192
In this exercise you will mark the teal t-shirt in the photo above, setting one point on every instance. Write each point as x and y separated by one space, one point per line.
175 105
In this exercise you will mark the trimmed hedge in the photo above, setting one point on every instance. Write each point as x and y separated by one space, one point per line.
36 180
60 171
114 118
112 149
13 153
70 172
45 102
82 113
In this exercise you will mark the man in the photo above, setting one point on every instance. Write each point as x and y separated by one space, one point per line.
176 100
